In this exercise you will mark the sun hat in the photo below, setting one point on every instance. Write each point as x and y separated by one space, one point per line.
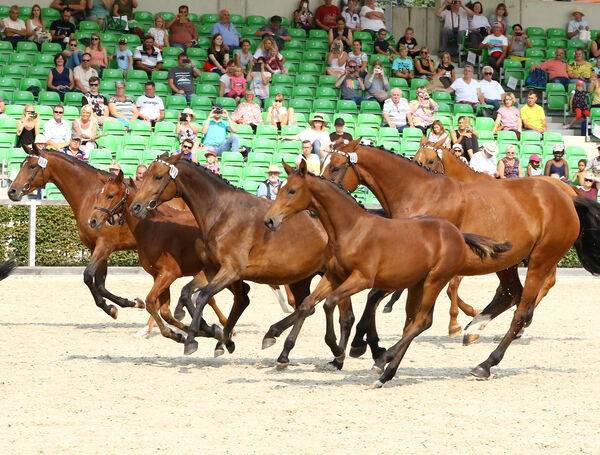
76 137
273 168
535 157
40 139
457 147
577 10
491 148
211 152
318 118
189 112
560 148
114 166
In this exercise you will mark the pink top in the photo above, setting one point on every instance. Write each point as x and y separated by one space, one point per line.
247 113
212 167
97 57
238 85
509 117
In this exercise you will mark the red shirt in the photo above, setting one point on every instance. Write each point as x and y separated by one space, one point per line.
327 15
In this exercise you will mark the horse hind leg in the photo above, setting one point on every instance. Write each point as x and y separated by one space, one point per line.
367 326
393 299
346 322
156 298
88 278
185 298
241 301
285 307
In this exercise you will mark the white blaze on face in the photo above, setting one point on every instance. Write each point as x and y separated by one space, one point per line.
284 183
325 164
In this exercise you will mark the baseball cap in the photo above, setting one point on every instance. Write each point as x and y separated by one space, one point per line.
339 122
122 41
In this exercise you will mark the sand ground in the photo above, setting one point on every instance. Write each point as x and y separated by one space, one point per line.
74 381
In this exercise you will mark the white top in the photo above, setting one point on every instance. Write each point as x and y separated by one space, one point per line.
497 41
370 24
359 59
87 131
533 171
262 53
396 112
17 25
282 111
478 21
159 36
452 20
227 81
492 90
260 90
573 25
481 163
311 135
353 20
335 64
150 107
57 132
84 76
464 91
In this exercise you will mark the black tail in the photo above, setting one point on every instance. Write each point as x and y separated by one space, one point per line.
485 247
587 244
6 268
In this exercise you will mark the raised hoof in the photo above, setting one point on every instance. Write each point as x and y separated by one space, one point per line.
470 339
219 350
376 370
179 314
139 303
282 365
190 347
455 331
114 312
357 351
480 373
387 309
378 352
336 364
268 342
178 337
377 385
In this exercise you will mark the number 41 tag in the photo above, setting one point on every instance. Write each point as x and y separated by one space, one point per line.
173 171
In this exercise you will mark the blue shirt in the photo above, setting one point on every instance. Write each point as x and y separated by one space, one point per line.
123 59
216 133
231 37
403 64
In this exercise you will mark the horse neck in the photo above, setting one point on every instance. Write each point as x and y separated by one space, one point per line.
131 220
457 169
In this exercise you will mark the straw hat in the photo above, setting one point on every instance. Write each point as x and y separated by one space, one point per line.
576 11
189 112
319 118
40 139
457 147
491 148
273 168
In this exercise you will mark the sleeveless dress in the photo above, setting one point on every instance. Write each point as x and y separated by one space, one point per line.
60 78
428 67
27 137
560 170
511 172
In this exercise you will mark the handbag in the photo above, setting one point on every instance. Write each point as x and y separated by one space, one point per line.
381 95
585 36
208 67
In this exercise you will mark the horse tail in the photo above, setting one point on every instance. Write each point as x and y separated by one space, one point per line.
485 247
7 267
588 241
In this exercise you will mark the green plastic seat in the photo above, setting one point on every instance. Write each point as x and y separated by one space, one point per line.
484 124
21 59
23 97
228 103
327 93
507 137
143 16
554 32
346 106
113 127
301 91
366 132
89 26
387 134
266 131
317 34
264 145
14 71
8 125
176 102
256 20
51 48
27 47
370 120
309 68
411 135
6 47
48 98
370 107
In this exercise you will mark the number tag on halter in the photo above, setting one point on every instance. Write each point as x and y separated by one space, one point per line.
353 157
42 162
173 171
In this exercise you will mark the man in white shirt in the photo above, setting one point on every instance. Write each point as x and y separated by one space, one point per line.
225 79
395 110
456 22
150 107
14 28
466 88
147 57
372 18
497 45
57 131
83 73
485 160
490 91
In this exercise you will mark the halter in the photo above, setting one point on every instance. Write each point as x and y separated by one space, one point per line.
173 171
118 209
42 162
352 160
438 152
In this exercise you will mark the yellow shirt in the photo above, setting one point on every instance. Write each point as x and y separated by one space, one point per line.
583 71
534 116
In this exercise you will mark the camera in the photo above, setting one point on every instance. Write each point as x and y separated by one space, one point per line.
518 33
186 60
218 111
183 117
33 115
455 2
257 67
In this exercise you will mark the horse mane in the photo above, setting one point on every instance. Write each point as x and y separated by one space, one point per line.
339 187
78 162
402 157
217 177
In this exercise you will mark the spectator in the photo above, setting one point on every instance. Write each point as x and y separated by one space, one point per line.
74 148
509 116
215 132
62 30
339 136
231 37
376 83
28 126
578 105
342 32
147 57
225 79
358 56
510 166
313 163
238 84
274 62
557 167
466 137
260 79
594 163
187 149
181 77
336 59
351 16
270 187
186 130
518 43
594 88
351 84
98 10
595 48
57 131
40 141
113 168
211 162
422 111
86 128
316 134
490 91
83 73
122 8
122 107
403 66
445 75
139 173
77 8
97 101
73 55
577 24
276 31
466 89
555 67
532 115
150 107
36 27
97 53
2 108
580 68
438 133
218 58
124 57
458 152
578 177
303 18
278 115
395 109
243 56
479 26
497 44
182 30
382 46
456 22
424 65
326 14
263 49
60 78
500 16
533 168
485 160
248 112
372 18
408 40
159 32
589 188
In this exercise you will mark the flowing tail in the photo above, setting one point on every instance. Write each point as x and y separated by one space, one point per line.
485 247
588 243
7 268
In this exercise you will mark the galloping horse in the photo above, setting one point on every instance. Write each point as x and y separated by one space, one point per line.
540 221
420 254
6 268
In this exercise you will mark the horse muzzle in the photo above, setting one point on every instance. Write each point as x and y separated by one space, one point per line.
273 223
15 194
138 210
94 223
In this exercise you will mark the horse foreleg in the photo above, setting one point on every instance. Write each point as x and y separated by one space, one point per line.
454 328
100 280
240 303
158 296
281 299
185 298
393 299
346 321
99 257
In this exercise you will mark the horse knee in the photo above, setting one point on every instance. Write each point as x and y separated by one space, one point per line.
88 276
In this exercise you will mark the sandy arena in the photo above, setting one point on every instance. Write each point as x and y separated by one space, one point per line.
75 382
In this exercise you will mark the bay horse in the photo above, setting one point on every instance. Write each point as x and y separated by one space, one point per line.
7 267
539 220
420 254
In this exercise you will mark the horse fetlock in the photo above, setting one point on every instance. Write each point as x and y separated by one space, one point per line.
480 372
139 303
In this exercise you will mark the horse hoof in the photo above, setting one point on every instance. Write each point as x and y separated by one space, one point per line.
142 333
179 314
219 351
268 342
470 339
282 365
480 373
114 312
387 309
520 334
455 331
139 304
190 347
377 385
336 364
376 370
230 346
357 351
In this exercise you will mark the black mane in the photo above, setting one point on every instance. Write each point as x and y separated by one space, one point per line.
215 175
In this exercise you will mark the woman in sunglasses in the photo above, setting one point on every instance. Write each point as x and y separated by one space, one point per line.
589 187
278 114
28 126
422 111
424 65
98 53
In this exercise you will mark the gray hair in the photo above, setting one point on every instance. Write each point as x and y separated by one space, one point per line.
119 84
487 67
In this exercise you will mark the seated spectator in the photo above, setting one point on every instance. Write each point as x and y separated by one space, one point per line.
372 18
124 57
276 31
122 107
342 32
86 128
497 44
186 129
74 148
248 112
589 187
408 40
532 115
533 168
83 73
479 26
60 78
28 126
422 111
139 173
98 10
62 30
14 28
500 16
555 67
218 58
578 177
491 91
594 88
395 109
211 162
358 56
336 59
231 37
510 166
303 18
457 150
77 8
150 107
124 8
424 65
466 89
147 57
98 53
36 27
577 24
274 62
316 134
578 105
350 15
466 137
313 163
73 55
113 168
518 43
376 83
97 101
278 115
403 66
580 68
326 14
339 137
159 32
215 132
444 75
456 22
56 130
594 163
270 187
485 160
509 116
260 79
382 46
40 141
182 31
181 77
437 133
188 150
264 48
243 56
557 167
351 84
225 79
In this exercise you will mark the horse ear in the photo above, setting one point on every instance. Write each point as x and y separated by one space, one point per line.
174 158
119 177
351 145
302 169
440 143
289 169
423 140
31 150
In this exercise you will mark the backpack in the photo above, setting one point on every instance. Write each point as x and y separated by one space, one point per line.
536 79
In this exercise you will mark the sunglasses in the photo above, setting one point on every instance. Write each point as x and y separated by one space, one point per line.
72 44
488 74
95 39
186 147
30 112
424 52
352 66
588 180
86 60
59 112
94 85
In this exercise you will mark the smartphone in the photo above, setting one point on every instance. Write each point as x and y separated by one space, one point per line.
186 60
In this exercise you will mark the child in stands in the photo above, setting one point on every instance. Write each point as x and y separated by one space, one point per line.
578 105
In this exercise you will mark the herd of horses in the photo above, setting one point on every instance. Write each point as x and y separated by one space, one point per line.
442 221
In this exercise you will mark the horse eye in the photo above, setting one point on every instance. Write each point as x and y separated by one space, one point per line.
429 161
334 169
110 197
292 192
158 177
32 166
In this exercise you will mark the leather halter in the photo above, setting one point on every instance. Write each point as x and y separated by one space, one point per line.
351 160
438 152
42 162
173 171
118 209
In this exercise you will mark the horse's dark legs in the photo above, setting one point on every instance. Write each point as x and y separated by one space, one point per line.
185 298
393 299
98 257
367 326
100 279
241 301
346 321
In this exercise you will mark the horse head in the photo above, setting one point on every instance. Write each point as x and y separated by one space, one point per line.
32 174
337 162
111 201
431 155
